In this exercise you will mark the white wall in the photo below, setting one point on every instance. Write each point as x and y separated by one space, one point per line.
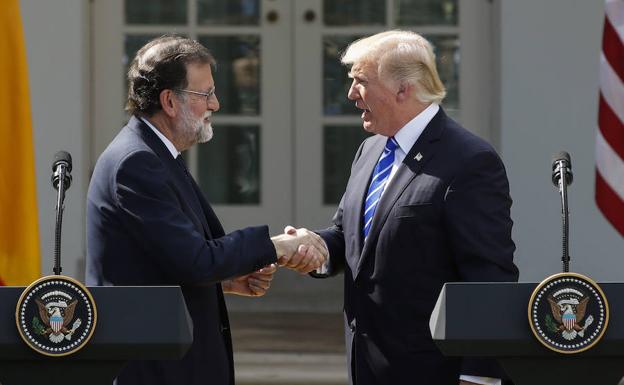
56 35
549 89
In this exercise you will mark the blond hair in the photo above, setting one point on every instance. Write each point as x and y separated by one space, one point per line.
401 56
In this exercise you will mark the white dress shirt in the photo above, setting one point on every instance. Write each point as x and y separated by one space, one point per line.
172 149
408 135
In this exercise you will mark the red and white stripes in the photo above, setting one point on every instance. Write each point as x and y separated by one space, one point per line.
610 136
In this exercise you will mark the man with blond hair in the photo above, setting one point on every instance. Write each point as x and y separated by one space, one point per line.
427 202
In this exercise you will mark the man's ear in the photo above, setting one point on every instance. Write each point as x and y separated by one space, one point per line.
404 92
169 102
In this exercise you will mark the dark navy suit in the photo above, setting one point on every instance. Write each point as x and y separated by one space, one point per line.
149 224
442 218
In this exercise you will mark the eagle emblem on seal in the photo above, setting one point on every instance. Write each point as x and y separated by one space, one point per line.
568 313
568 307
56 316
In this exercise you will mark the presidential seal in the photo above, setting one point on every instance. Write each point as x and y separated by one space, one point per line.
568 313
56 315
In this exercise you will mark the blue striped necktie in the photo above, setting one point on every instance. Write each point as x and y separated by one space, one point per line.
378 183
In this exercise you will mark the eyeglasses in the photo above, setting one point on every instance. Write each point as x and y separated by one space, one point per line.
206 95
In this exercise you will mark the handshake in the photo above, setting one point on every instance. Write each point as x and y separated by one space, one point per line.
300 249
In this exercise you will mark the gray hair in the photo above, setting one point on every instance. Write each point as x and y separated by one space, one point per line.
158 65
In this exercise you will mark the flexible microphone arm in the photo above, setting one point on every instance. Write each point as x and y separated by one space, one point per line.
565 257
61 181
562 177
59 223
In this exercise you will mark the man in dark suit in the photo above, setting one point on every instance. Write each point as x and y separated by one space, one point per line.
427 202
149 224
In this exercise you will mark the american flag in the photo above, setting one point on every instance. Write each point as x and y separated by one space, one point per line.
610 135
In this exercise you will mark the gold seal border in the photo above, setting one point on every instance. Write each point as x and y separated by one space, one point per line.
545 282
51 278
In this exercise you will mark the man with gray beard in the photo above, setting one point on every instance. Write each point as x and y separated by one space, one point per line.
149 224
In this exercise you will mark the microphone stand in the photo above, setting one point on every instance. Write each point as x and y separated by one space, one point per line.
59 220
563 190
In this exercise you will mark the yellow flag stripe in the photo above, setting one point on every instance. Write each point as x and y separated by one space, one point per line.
19 234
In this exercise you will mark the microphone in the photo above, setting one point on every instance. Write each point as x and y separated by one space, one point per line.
561 178
61 168
61 180
562 165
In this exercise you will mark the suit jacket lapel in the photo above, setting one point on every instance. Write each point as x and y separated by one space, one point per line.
407 171
362 177
213 222
194 197
184 183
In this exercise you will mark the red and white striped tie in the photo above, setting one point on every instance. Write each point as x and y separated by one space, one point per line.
610 136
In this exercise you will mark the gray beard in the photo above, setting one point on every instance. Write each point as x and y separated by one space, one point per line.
205 133
194 130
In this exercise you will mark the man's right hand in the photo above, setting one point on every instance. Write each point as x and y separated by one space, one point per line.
300 249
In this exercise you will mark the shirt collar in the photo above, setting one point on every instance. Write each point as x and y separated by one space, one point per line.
409 134
174 151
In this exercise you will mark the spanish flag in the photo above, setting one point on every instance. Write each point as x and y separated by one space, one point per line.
19 234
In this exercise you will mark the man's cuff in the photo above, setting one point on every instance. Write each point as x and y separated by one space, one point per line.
323 271
481 380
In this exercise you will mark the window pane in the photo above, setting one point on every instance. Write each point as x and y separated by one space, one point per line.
229 165
237 77
340 145
447 58
155 11
336 83
425 12
354 12
228 12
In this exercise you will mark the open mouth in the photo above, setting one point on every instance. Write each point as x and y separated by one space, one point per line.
365 111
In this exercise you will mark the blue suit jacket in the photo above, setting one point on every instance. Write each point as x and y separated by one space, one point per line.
149 224
443 218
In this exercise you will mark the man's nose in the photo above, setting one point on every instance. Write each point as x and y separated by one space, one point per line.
353 93
213 104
